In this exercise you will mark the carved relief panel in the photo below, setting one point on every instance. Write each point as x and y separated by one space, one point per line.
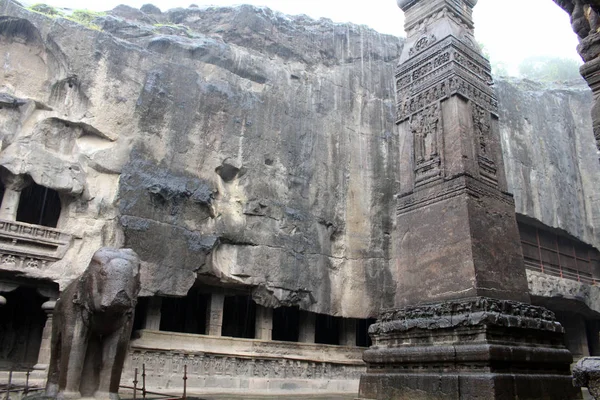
426 127
436 71
482 126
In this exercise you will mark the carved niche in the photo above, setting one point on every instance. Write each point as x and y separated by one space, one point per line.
482 125
426 129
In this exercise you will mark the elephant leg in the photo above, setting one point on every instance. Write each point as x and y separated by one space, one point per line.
73 354
54 367
113 357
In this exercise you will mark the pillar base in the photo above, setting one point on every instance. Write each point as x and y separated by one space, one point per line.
469 349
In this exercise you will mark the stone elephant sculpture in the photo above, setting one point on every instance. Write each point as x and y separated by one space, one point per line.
92 324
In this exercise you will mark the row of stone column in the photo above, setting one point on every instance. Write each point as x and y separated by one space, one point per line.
263 326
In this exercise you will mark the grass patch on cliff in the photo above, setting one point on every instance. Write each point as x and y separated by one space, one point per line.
80 16
45 9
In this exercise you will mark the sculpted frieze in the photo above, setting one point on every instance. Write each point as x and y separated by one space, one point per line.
450 189
454 85
477 311
450 43
164 364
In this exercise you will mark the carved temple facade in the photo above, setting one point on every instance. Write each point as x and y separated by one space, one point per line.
62 199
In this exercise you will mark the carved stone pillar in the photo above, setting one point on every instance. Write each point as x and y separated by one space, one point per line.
45 346
464 328
153 313
308 323
13 185
585 21
264 323
214 319
348 332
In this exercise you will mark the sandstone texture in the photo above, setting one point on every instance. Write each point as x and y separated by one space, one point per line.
549 153
547 286
243 147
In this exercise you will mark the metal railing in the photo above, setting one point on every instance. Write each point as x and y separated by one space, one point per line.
22 389
145 392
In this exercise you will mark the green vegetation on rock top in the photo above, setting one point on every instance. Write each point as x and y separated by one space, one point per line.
81 16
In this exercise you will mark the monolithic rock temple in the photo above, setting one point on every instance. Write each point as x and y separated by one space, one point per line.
288 183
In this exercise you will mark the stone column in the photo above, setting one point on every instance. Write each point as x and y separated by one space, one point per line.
264 323
307 327
348 332
214 319
13 185
153 313
464 328
45 346
585 21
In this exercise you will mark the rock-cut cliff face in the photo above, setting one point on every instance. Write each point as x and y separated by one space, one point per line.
241 147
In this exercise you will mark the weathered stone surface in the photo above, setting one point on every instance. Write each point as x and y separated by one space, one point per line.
241 146
586 373
550 157
468 349
547 286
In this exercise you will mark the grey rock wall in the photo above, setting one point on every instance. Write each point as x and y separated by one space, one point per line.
550 155
242 147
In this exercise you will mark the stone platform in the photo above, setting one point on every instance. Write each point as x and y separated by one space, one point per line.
470 349
244 367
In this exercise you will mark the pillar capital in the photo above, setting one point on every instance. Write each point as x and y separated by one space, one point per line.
48 306
407 4
14 182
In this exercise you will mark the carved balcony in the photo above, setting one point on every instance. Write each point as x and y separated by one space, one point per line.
25 246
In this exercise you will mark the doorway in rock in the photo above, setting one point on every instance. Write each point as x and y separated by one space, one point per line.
327 329
185 314
239 317
21 325
286 324
39 205
363 339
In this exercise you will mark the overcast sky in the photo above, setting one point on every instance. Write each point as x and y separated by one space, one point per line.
511 30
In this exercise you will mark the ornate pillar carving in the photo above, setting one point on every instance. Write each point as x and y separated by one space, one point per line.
585 21
464 328
45 346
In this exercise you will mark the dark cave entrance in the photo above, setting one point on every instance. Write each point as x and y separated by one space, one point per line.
362 332
39 205
239 317
286 324
327 329
185 314
22 322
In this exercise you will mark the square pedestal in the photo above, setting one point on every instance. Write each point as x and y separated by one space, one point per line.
470 349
